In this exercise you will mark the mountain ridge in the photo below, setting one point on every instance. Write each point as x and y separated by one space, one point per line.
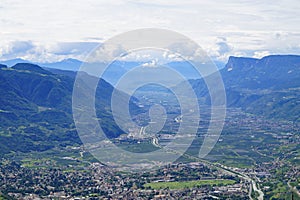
268 86
36 109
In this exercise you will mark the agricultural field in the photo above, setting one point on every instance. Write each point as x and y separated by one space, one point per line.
188 184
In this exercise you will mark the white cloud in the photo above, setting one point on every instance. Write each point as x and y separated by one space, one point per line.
260 54
223 46
152 63
39 52
221 50
15 48
73 48
247 26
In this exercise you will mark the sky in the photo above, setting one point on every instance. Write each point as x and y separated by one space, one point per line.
49 31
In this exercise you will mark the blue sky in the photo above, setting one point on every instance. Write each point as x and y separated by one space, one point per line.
47 31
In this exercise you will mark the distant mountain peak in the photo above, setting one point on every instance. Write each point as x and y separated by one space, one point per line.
3 66
240 58
272 61
12 62
70 64
280 56
240 62
71 60
30 67
274 71
269 57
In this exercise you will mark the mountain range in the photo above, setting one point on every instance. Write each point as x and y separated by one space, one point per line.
115 70
269 86
36 108
36 102
66 64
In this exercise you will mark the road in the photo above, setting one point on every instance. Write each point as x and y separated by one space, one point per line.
223 168
261 194
142 131
294 189
155 142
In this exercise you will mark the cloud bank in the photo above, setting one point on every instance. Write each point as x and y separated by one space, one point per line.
54 30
